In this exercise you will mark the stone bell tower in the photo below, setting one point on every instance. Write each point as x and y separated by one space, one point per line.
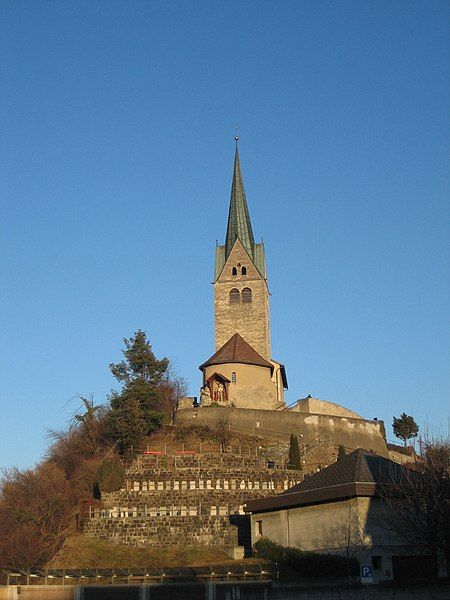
241 372
241 295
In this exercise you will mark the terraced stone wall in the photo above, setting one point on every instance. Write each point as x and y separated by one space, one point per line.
164 531
169 501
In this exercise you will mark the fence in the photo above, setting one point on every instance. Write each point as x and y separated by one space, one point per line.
150 459
217 572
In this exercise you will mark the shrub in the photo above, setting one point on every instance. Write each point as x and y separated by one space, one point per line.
307 564
110 474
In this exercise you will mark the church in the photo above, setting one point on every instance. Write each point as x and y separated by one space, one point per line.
197 496
241 372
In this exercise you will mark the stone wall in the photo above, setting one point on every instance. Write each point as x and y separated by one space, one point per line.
323 407
249 319
164 531
401 455
278 425
272 591
187 500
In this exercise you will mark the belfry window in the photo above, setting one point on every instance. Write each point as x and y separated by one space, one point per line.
246 295
235 297
244 271
233 377
234 271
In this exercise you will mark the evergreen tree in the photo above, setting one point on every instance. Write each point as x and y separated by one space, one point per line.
341 453
135 410
294 453
405 427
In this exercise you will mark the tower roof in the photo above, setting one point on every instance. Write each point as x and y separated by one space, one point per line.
237 350
239 224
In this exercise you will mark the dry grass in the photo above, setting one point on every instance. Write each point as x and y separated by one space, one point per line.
172 438
80 552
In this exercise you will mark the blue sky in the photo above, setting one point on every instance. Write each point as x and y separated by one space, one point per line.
116 152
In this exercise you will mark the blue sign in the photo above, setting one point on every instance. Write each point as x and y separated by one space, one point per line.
366 574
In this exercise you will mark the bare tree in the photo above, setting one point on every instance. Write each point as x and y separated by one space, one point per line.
417 503
221 426
34 510
85 437
170 392
347 536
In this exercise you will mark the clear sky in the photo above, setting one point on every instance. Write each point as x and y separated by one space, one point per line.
117 125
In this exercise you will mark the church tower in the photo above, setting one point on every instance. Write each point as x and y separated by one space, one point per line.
241 372
241 295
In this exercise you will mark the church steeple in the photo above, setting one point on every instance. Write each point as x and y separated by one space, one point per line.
241 367
239 224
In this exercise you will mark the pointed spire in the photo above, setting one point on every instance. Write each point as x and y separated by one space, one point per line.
239 224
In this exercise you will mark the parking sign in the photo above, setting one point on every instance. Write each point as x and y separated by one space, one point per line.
366 574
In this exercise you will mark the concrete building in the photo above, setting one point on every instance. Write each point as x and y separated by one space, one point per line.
339 510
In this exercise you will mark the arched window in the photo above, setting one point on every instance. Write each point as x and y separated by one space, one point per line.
244 271
246 295
233 377
235 297
234 271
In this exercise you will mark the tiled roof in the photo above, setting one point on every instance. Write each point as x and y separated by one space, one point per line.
358 474
358 466
237 350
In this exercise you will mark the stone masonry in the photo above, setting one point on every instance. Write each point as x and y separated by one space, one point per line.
249 319
278 425
184 500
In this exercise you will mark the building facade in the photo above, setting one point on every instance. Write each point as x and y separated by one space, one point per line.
341 510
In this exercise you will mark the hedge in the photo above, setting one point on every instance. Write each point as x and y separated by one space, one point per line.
308 564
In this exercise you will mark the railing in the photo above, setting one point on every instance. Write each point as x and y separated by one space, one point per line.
219 572
191 459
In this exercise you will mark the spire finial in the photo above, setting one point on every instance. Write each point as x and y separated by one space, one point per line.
236 137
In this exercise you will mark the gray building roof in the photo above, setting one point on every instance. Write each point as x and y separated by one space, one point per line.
358 474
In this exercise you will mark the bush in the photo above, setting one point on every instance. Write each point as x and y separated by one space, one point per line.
307 564
110 474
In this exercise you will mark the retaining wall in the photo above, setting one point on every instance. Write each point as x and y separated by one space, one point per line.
164 531
349 432
216 591
183 501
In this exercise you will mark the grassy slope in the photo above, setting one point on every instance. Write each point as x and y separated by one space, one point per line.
80 552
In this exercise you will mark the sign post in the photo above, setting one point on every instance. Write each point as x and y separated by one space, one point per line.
366 572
